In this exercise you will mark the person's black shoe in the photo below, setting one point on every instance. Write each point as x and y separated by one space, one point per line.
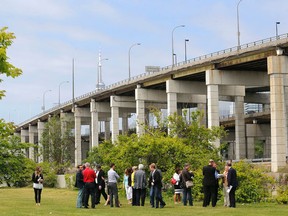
162 206
85 206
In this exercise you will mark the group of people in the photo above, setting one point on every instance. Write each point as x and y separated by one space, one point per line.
211 184
92 183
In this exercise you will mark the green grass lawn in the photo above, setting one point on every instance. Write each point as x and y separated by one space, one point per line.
62 202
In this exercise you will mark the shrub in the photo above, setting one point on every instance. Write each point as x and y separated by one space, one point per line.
282 196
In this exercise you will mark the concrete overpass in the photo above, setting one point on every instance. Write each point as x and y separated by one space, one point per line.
238 74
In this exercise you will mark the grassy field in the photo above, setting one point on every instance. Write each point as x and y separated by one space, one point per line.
62 202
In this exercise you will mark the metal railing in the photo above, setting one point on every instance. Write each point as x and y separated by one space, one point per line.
162 70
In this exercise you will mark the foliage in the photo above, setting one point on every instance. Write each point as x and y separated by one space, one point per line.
15 168
187 143
49 174
58 143
6 40
282 194
254 184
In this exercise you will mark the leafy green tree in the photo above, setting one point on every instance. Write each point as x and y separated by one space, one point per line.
6 40
58 144
15 167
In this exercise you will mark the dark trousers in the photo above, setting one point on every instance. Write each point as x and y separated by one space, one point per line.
98 194
232 197
158 196
133 196
89 190
152 196
113 193
140 195
187 195
209 193
37 193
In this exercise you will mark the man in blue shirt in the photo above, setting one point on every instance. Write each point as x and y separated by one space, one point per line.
112 184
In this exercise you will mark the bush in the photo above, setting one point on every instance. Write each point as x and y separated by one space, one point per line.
254 184
282 196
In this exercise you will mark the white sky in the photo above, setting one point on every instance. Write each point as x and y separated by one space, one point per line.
49 33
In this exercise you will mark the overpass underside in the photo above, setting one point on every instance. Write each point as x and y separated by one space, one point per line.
256 74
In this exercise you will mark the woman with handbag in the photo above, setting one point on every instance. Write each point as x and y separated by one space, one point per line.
187 183
177 186
37 178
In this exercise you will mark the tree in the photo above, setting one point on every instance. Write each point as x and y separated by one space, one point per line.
58 144
6 40
15 168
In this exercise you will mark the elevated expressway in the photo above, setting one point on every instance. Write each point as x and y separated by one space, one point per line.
238 74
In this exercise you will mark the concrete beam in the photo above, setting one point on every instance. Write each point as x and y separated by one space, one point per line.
188 87
230 77
258 98
122 101
150 95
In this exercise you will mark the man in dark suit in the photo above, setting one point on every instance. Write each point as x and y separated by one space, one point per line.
232 184
209 184
155 181
100 185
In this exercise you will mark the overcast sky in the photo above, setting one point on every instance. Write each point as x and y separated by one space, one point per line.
50 33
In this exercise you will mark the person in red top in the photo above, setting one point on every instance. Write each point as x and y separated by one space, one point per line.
89 181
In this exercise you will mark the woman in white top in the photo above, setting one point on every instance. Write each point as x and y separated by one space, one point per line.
177 187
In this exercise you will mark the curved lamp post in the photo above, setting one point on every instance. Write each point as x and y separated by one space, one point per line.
173 42
59 91
129 56
43 106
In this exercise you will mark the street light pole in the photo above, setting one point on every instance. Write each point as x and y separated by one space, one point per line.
186 40
100 84
136 44
59 91
277 37
238 28
43 107
173 42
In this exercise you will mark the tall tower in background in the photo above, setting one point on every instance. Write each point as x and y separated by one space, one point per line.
100 84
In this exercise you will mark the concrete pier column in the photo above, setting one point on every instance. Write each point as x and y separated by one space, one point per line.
125 123
171 103
140 111
278 69
107 129
32 132
202 107
114 120
140 117
213 108
78 145
240 151
23 135
94 124
40 128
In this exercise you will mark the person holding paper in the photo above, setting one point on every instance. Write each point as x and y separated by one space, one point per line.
232 184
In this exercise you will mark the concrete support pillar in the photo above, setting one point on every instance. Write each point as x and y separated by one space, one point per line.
140 117
94 124
140 110
250 147
23 134
115 122
240 150
125 123
171 103
278 69
202 107
107 129
78 145
213 108
40 128
32 132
